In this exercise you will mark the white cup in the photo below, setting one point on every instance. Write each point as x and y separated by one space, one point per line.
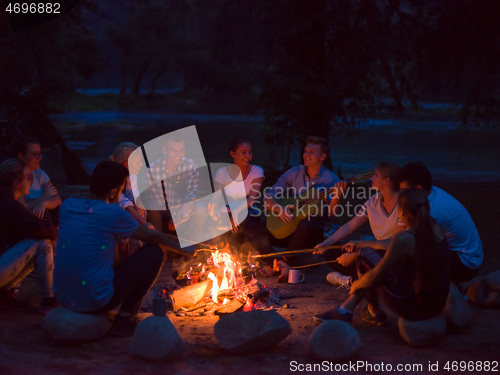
295 277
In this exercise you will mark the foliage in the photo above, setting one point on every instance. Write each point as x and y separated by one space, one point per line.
319 67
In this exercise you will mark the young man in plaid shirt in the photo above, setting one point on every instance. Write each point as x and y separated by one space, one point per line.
176 187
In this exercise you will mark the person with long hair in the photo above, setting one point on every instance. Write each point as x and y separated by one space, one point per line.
412 278
381 211
42 199
241 183
25 239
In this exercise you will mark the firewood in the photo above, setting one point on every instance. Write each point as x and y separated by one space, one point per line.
199 305
230 307
190 295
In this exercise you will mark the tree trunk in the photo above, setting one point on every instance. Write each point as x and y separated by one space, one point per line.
396 94
154 79
136 86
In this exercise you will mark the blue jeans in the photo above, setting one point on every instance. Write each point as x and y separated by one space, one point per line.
22 258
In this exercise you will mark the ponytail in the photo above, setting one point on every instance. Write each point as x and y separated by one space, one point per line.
427 255
426 252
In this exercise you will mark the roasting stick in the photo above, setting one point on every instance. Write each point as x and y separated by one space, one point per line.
296 252
314 264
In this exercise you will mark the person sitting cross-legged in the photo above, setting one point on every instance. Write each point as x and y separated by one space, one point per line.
412 278
381 210
174 208
86 279
25 240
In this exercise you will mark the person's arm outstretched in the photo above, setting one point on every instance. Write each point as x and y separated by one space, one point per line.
342 232
145 234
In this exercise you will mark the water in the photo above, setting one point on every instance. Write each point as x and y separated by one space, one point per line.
451 154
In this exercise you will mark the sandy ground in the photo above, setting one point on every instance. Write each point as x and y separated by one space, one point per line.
26 350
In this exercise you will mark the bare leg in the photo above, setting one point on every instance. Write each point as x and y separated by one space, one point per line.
353 301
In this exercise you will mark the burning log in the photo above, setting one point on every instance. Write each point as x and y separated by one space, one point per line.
230 307
190 295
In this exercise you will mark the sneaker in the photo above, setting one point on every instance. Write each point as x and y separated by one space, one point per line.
336 278
8 299
123 326
378 319
47 305
333 314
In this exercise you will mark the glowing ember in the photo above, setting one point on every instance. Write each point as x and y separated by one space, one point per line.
229 290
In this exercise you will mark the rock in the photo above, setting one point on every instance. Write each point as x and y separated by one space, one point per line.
422 333
456 311
492 280
251 332
486 292
334 341
68 327
156 339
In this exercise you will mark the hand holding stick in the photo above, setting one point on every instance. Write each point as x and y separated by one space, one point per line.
294 252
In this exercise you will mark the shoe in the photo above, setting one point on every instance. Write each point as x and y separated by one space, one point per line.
47 305
336 278
333 314
8 299
378 319
123 326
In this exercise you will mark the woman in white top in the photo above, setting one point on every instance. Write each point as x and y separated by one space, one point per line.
381 210
43 199
241 182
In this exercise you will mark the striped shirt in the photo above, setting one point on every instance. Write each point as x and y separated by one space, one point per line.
180 188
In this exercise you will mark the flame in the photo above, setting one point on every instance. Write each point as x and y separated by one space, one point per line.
215 286
230 267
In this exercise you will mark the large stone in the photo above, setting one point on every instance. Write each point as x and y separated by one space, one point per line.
156 339
68 327
486 292
423 333
251 332
457 311
334 341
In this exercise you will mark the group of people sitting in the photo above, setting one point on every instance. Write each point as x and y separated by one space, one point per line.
424 238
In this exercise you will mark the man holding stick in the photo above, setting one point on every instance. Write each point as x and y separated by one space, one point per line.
86 279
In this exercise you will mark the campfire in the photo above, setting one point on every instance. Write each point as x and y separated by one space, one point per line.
225 284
